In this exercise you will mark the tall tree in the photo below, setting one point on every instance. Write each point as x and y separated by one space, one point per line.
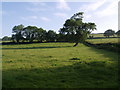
76 30
18 32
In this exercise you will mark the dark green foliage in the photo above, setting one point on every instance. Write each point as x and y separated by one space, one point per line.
30 33
40 35
109 33
6 38
18 31
51 35
118 33
75 30
115 47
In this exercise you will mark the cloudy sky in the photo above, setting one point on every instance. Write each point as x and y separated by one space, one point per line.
52 15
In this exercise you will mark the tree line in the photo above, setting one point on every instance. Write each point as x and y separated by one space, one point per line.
111 32
56 37
73 30
32 33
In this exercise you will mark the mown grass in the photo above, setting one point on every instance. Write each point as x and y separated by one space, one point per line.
58 65
105 40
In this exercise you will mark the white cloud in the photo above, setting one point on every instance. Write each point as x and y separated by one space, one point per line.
111 9
37 6
63 15
102 13
35 18
96 5
92 6
45 19
62 5
87 16
91 9
29 18
98 8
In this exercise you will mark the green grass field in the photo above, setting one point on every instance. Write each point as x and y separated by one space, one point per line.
58 65
97 35
101 35
105 40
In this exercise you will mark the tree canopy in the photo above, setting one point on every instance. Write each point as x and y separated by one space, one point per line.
109 33
76 30
118 33
31 33
6 38
17 30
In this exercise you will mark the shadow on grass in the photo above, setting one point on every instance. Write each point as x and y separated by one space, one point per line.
82 74
78 75
108 54
47 47
115 47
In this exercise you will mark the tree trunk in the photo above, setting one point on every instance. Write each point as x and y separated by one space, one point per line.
75 44
17 41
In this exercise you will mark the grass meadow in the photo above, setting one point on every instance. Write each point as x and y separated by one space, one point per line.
101 35
58 65
104 40
97 35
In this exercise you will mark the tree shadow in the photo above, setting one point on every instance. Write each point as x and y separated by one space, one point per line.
95 74
45 47
115 47
106 53
81 74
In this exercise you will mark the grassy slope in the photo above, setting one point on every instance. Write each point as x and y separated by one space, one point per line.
101 35
106 40
97 35
52 65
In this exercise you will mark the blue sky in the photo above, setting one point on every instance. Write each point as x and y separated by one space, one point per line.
52 15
